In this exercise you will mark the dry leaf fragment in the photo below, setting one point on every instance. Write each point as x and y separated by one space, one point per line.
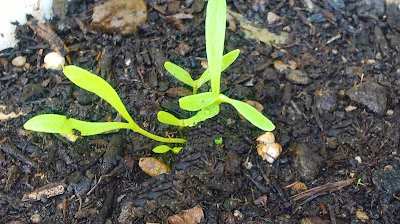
280 66
48 191
153 166
181 15
10 115
297 186
178 92
261 34
190 216
350 108
362 216
264 35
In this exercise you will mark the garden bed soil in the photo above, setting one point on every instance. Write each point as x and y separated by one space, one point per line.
337 118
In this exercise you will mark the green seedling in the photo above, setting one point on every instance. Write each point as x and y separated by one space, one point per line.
59 124
207 103
184 76
165 148
218 141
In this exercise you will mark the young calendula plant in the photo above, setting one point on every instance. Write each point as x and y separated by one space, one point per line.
207 103
59 124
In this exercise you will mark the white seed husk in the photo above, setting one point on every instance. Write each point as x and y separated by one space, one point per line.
270 151
266 138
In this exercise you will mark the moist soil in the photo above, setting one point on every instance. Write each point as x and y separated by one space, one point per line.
336 117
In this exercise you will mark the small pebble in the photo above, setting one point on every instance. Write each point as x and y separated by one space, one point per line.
19 61
153 166
362 216
272 18
297 77
54 60
36 218
358 158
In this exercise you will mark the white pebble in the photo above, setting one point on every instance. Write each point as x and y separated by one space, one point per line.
19 61
54 60
272 18
36 218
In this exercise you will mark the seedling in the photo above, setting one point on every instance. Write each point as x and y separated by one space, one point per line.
165 148
218 141
59 124
207 103
183 76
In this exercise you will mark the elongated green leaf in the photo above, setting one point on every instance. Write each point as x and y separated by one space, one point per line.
59 124
165 148
215 37
202 115
251 114
167 118
227 60
179 73
198 101
162 149
98 86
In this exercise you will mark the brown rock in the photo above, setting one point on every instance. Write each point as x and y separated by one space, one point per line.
306 161
122 16
371 95
153 166
19 61
297 77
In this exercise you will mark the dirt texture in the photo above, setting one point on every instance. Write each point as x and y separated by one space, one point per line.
331 87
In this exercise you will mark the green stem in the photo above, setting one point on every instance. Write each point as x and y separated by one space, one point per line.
156 137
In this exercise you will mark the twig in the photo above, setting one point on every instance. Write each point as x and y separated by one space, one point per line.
320 189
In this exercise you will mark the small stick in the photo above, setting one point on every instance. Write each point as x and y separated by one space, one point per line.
323 188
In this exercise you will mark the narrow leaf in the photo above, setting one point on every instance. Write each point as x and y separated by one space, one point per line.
215 37
165 148
198 101
162 149
98 86
179 73
202 115
59 124
251 114
227 60
167 118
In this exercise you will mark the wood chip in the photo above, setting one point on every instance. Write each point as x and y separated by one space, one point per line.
48 191
326 187
44 31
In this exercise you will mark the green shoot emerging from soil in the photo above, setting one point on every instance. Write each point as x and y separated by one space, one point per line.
165 148
207 103
59 124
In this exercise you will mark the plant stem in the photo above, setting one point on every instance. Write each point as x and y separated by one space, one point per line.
158 138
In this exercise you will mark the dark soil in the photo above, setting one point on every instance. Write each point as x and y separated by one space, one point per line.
324 140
